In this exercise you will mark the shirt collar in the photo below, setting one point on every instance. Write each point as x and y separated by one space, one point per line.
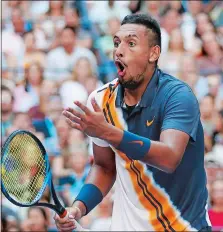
148 95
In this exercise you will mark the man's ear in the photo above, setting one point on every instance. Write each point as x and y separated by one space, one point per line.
154 54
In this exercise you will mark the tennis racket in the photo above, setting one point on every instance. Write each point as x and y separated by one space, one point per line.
26 175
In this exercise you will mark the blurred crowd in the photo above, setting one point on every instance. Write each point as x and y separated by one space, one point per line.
55 52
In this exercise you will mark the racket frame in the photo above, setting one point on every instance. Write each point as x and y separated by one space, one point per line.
58 208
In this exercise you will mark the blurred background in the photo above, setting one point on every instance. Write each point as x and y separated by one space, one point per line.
55 52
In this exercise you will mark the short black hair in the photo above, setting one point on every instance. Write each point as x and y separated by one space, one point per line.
147 21
73 29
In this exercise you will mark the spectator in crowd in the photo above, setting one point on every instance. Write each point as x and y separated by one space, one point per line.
21 121
9 220
16 49
203 24
78 161
72 19
28 95
32 54
20 25
61 60
189 73
170 20
193 8
52 22
84 74
153 8
209 61
101 11
56 9
104 210
216 210
9 6
171 60
216 89
37 219
58 163
207 118
71 91
135 5
218 134
106 42
7 109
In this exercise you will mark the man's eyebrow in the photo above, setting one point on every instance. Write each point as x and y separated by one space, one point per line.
127 36
131 36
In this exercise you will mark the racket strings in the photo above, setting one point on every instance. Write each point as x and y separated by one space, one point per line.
25 169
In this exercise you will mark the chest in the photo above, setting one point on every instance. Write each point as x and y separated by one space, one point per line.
146 122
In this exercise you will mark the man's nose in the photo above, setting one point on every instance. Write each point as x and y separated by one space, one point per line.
119 51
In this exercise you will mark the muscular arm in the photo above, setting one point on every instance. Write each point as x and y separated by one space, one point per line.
102 173
165 154
180 123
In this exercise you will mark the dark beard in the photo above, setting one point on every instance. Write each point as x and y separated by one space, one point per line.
134 83
130 84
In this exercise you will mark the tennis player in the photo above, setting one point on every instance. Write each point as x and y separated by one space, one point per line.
147 136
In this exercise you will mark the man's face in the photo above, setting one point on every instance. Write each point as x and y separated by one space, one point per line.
71 17
17 21
67 38
132 54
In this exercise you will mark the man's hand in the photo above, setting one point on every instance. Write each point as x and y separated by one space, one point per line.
91 123
68 223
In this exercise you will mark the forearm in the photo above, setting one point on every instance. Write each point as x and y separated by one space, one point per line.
162 157
100 177
159 154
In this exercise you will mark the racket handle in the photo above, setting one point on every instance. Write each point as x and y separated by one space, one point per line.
64 214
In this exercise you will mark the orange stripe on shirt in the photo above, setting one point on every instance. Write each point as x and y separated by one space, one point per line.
109 104
143 184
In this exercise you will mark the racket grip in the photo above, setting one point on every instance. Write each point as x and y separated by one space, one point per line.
64 214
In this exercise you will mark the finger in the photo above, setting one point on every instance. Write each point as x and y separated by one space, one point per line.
83 107
59 220
95 105
67 225
69 115
74 112
74 125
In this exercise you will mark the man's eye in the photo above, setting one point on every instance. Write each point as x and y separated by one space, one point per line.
116 44
131 44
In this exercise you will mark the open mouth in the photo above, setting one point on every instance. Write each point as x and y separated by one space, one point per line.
121 67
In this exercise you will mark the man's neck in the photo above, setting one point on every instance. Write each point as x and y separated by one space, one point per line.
69 50
132 97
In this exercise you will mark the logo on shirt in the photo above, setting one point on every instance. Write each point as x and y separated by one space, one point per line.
137 142
149 123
